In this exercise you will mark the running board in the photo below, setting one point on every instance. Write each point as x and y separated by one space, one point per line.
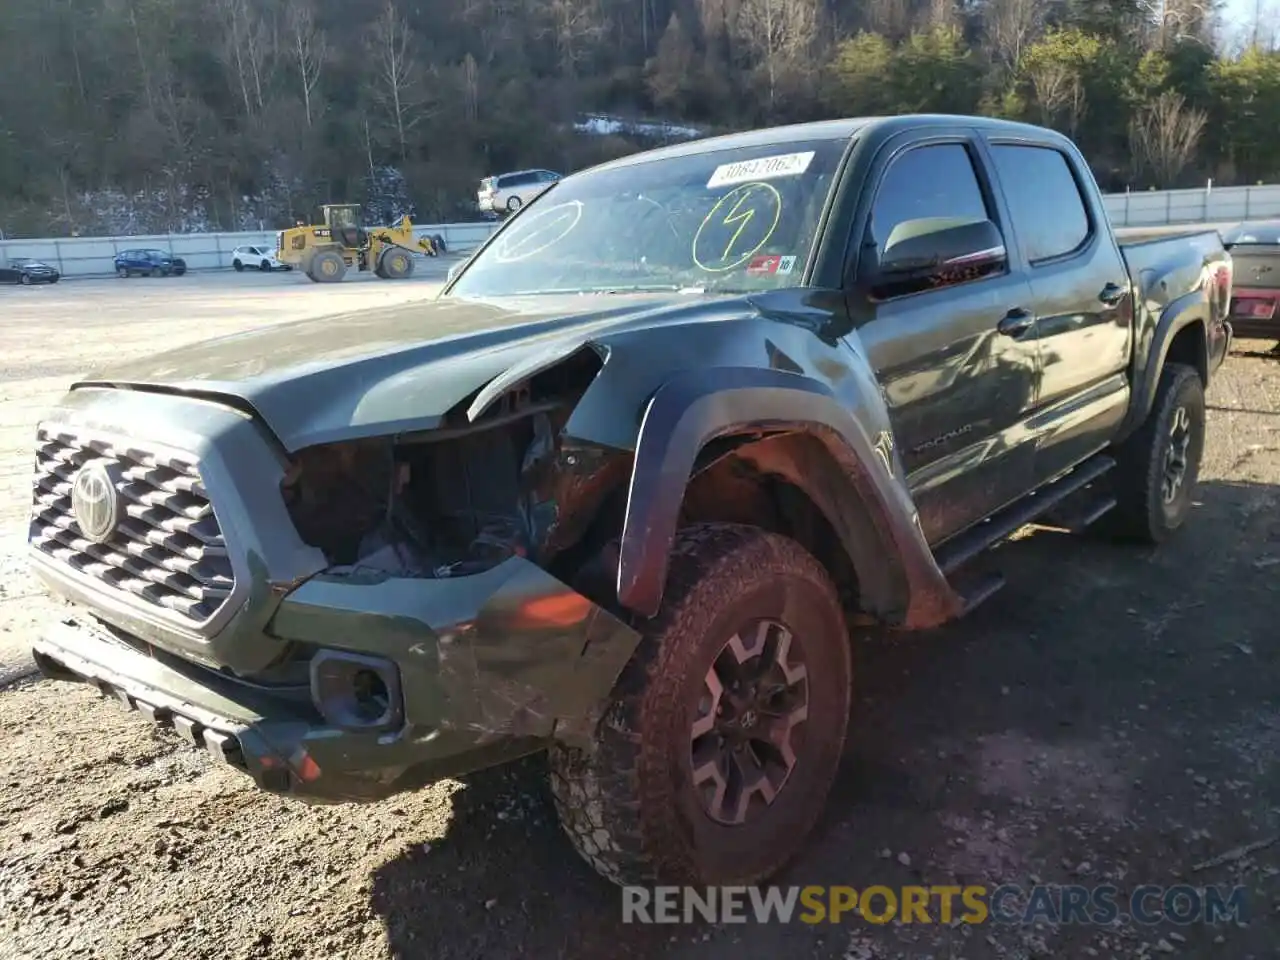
962 548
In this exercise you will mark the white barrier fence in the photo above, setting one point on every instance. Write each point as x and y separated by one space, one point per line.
1208 204
95 256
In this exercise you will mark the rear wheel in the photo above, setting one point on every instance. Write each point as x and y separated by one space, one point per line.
1157 468
714 759
327 266
513 204
25 279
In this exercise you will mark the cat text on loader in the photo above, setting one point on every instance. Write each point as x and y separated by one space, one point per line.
325 252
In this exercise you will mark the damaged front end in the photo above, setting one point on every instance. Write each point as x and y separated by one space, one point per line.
455 626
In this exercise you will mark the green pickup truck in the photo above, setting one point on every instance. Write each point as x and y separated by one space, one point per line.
627 490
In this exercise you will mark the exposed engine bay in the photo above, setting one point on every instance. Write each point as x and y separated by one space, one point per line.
451 501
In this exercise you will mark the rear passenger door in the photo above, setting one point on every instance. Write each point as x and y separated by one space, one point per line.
1081 290
958 376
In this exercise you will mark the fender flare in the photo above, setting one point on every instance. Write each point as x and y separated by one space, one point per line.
1188 309
698 406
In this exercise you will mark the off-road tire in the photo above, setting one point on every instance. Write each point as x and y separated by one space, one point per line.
1140 513
627 803
396 264
316 268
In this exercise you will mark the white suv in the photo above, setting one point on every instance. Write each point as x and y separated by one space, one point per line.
508 192
256 258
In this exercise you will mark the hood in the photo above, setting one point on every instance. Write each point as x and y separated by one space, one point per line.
393 369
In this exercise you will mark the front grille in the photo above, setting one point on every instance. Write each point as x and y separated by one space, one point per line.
167 548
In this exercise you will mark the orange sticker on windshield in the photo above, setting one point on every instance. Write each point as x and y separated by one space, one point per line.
740 223
769 263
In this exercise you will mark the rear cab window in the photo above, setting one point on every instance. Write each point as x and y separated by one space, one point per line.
1044 198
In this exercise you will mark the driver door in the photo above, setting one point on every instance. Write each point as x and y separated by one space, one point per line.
959 378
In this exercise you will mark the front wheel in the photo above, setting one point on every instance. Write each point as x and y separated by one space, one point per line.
1157 468
122 273
239 267
26 280
714 758
266 266
395 264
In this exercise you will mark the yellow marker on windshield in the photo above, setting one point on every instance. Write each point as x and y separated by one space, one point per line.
752 214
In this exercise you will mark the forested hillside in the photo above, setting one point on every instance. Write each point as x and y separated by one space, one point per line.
136 115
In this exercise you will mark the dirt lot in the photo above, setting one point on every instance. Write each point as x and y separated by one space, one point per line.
1111 716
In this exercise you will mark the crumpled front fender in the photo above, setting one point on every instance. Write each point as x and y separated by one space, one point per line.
859 485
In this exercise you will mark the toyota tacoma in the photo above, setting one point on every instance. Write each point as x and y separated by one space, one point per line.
624 491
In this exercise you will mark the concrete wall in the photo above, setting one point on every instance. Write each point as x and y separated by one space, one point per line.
93 256
1204 205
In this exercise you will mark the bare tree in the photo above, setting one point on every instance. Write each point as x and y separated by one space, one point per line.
579 26
396 85
307 47
1059 91
1164 134
779 33
244 50
471 86
1012 25
893 18
940 14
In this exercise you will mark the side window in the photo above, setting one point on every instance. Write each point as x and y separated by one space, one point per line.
925 192
1044 199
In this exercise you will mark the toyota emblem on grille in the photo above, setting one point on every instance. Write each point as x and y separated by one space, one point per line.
95 502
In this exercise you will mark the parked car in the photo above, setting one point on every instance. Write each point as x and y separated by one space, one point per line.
26 271
622 491
149 262
1255 304
508 192
256 258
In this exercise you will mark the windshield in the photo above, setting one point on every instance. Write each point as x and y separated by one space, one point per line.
733 220
1254 233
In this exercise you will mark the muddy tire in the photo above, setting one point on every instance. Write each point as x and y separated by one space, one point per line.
1158 466
660 798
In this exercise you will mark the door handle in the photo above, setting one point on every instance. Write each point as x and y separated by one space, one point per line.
1016 322
1112 294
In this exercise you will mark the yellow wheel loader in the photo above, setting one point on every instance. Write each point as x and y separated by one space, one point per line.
325 252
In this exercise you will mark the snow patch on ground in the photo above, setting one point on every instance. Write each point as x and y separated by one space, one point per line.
604 126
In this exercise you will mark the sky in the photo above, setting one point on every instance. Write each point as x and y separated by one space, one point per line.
1239 11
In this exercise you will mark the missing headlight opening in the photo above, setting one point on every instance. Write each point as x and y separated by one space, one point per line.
447 502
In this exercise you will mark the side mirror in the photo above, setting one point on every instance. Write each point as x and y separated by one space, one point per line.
919 249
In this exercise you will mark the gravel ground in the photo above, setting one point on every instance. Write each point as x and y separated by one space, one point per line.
1112 716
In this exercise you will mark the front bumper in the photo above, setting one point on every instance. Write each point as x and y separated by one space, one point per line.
491 668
